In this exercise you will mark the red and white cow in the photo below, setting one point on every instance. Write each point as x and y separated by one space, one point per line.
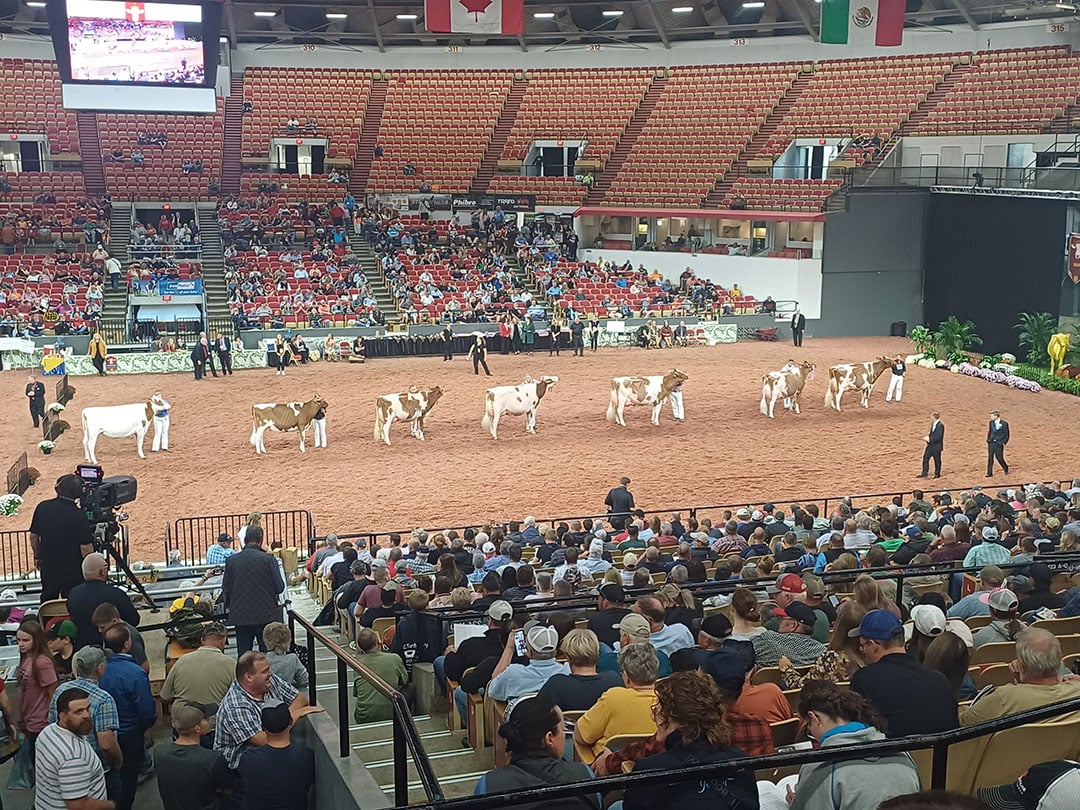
515 399
284 417
412 406
653 391
786 384
860 376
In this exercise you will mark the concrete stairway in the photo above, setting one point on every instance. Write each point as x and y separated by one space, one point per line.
213 261
376 280
626 142
90 151
369 139
232 146
715 198
114 303
490 163
922 112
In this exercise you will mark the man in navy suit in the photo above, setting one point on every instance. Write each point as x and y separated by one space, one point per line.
798 326
223 349
997 436
935 441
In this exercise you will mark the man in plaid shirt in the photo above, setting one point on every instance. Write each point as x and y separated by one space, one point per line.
239 717
751 735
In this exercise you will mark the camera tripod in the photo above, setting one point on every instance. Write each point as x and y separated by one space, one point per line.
105 534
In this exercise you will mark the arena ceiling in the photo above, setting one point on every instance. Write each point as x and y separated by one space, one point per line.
550 24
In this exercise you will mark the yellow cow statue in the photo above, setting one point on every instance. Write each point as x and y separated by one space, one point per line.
1057 349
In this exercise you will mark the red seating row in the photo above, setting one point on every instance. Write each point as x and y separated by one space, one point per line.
32 104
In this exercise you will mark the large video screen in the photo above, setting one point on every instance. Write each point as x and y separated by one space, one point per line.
138 43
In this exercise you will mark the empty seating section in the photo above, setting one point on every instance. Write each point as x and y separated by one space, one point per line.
335 98
782 195
848 98
548 190
161 176
299 187
66 187
32 104
595 105
702 121
442 122
1008 92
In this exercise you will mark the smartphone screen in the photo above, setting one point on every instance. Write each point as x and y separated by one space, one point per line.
834 600
519 643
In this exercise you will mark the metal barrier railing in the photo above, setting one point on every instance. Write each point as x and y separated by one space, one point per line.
406 737
16 556
194 535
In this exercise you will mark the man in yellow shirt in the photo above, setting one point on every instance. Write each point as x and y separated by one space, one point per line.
621 710
1037 667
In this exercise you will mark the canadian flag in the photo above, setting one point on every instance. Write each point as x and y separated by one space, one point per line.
475 16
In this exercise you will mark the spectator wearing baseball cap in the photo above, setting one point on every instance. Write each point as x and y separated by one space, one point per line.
473 652
1040 595
989 550
793 638
610 609
990 579
60 636
203 676
510 681
633 628
1037 668
621 710
189 776
911 698
579 690
791 588
1004 624
1047 786
278 774
218 553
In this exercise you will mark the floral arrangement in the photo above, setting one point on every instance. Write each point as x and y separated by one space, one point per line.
1024 385
9 505
56 407
46 446
1000 377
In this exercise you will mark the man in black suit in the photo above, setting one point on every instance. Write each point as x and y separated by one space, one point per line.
251 586
935 441
199 355
35 393
619 499
223 349
798 326
997 436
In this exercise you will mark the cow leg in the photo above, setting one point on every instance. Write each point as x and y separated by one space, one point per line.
140 435
772 403
530 421
656 412
303 437
620 412
418 428
795 403
839 395
89 441
386 428
495 425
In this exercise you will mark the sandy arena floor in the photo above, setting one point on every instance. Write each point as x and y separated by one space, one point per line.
725 451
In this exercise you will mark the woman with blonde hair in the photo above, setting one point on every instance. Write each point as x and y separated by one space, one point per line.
868 594
98 351
579 691
283 663
253 519
1068 541
841 658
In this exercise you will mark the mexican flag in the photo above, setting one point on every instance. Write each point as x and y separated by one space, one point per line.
474 16
862 22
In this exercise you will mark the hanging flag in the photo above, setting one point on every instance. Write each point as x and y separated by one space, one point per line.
862 22
474 16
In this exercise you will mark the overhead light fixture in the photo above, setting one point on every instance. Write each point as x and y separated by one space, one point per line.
1066 6
265 13
36 5
612 13
755 4
336 15
223 39
406 16
682 9
544 15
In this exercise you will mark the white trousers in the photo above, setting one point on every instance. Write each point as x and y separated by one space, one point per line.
161 433
677 405
896 388
319 425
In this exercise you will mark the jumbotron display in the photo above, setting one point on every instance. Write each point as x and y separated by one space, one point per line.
141 43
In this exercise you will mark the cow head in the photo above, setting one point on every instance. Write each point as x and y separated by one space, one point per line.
808 369
318 402
433 395
543 384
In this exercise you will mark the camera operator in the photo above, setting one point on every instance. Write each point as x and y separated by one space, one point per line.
60 537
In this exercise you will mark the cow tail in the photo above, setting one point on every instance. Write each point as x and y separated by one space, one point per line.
489 415
378 423
254 429
764 407
829 394
613 406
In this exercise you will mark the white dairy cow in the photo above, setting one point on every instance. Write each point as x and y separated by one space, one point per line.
653 391
116 422
786 384
515 399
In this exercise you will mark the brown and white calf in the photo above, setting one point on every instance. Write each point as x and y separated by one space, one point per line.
283 417
515 399
786 384
653 390
411 406
860 376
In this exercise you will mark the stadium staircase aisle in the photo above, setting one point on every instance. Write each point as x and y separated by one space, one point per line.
213 262
374 272
232 148
1062 125
626 142
456 766
369 138
920 113
114 304
513 264
90 150
497 143
738 169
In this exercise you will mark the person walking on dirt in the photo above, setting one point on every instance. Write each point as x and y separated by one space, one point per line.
478 354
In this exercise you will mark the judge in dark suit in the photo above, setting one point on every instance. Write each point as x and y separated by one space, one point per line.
200 356
35 394
935 441
997 436
798 326
250 587
223 349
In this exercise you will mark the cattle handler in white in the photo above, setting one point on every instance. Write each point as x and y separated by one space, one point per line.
161 408
896 384
318 422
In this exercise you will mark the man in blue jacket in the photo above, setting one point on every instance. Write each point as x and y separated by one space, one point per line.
129 686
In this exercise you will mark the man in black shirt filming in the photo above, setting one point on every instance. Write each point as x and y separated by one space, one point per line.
60 536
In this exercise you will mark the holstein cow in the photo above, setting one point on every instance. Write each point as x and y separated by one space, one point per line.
283 417
410 405
861 376
515 399
652 391
116 422
786 384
